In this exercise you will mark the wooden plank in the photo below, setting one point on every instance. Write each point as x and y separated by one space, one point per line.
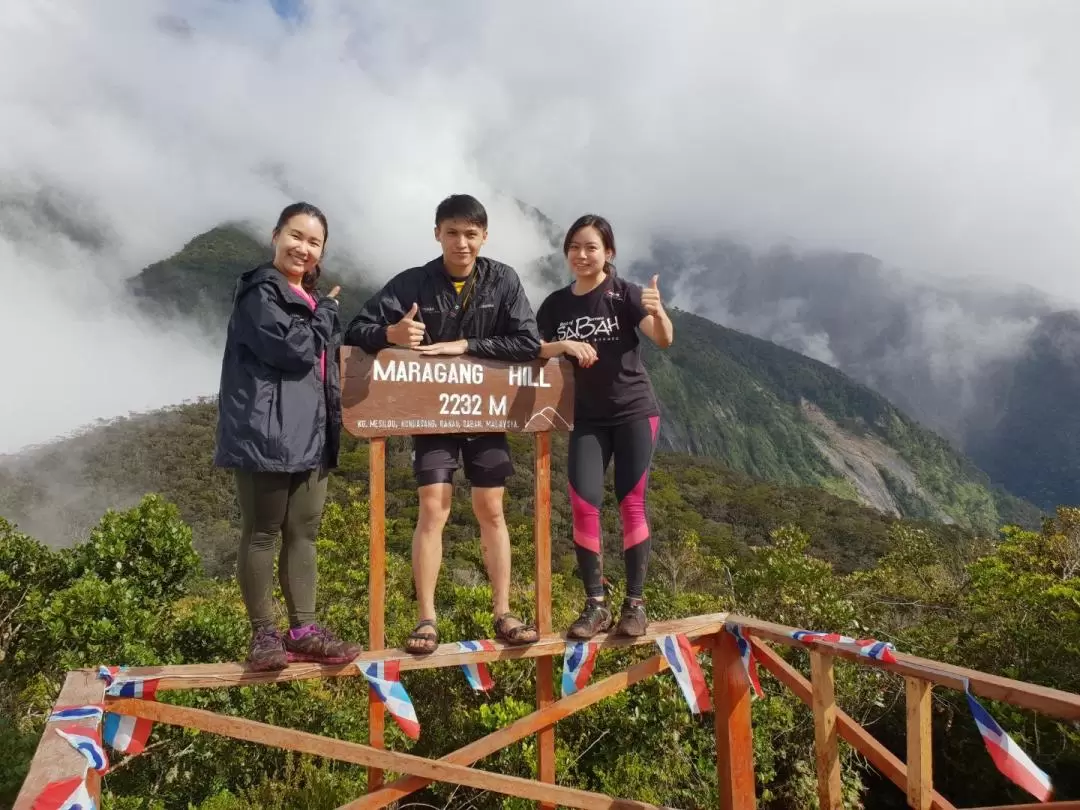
734 731
376 589
240 728
920 782
545 672
398 392
55 759
826 741
1053 702
213 676
519 729
884 760
1069 805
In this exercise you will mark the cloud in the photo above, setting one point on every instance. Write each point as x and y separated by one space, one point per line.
939 138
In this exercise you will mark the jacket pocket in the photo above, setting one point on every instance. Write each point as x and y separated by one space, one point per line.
272 428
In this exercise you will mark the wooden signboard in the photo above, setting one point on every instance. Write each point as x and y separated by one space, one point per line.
399 392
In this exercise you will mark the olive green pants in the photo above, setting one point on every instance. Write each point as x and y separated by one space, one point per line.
290 504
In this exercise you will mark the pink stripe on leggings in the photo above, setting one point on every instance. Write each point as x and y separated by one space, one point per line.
586 522
635 526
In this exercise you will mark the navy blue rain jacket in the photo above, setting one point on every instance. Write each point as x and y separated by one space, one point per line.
275 412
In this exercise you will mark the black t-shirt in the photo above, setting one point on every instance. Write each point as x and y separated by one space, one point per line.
616 388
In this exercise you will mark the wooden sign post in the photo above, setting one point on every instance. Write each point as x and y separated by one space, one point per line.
401 393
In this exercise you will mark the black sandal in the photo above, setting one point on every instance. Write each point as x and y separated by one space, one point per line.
430 640
514 634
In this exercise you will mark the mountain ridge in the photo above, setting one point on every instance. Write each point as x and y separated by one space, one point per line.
974 361
726 394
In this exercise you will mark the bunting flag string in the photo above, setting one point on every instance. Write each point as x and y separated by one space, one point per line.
127 735
91 710
384 678
478 675
117 685
578 662
87 741
684 665
868 647
746 653
1008 757
66 794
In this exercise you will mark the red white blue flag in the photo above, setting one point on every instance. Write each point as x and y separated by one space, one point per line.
478 675
128 735
578 662
684 665
384 679
868 647
87 741
1007 755
746 653
117 684
66 794
69 713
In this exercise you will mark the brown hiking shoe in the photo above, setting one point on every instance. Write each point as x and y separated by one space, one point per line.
632 619
267 651
595 618
315 643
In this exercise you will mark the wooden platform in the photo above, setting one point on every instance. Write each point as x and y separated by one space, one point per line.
207 676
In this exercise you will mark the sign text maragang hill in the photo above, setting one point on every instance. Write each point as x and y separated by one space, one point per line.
400 392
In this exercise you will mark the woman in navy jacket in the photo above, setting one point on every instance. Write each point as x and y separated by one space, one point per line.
279 428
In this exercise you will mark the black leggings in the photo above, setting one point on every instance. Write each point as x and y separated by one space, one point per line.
591 450
290 504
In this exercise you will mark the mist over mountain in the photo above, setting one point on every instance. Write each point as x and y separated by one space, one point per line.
981 362
935 138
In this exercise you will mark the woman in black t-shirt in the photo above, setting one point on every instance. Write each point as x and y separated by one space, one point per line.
594 321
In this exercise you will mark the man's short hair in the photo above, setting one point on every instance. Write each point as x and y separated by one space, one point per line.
461 206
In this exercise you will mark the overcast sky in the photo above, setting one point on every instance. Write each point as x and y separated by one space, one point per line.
942 137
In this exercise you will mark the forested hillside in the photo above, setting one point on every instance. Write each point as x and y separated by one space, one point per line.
760 502
134 592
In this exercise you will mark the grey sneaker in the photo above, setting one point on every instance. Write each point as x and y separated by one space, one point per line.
632 619
595 618
267 651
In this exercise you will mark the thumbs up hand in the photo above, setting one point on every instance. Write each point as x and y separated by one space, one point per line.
408 332
650 297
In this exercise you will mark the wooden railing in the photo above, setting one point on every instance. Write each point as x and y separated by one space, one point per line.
731 697
55 759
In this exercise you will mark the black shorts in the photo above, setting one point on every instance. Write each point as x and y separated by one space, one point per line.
486 457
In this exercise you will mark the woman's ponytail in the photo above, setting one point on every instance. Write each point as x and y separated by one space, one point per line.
311 280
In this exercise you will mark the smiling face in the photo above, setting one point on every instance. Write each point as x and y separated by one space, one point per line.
586 253
461 241
298 246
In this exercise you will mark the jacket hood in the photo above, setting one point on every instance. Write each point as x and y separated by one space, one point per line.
263 274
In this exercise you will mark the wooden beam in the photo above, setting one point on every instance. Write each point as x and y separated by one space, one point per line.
1053 702
884 760
240 728
519 730
826 741
376 589
545 674
55 759
920 783
734 731
215 676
